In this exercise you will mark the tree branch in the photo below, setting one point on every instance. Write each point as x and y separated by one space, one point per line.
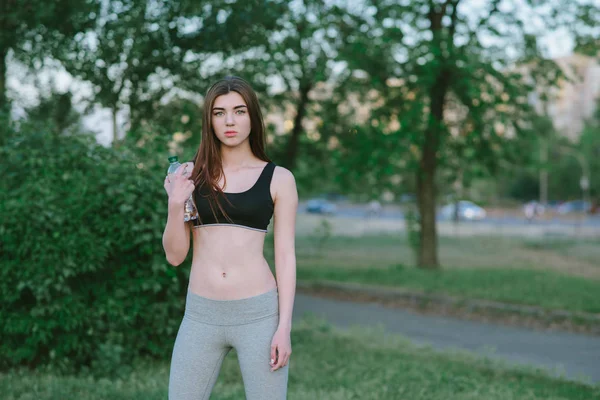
453 20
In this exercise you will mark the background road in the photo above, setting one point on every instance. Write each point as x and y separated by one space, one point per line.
574 356
513 217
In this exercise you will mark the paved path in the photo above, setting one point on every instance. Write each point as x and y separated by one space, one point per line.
575 355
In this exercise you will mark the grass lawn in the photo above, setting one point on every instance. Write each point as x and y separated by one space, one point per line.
566 256
330 364
554 274
549 290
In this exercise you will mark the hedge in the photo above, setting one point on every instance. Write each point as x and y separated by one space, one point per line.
83 281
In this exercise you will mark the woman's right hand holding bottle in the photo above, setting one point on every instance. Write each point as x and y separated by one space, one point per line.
178 186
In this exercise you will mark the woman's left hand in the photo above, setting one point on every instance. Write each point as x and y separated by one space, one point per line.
281 348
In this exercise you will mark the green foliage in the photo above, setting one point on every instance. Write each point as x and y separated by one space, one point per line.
589 149
137 54
6 126
32 29
567 162
524 186
55 113
84 281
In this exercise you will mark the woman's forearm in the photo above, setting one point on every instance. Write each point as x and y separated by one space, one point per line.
286 284
176 237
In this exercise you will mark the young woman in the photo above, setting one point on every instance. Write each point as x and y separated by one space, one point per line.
233 299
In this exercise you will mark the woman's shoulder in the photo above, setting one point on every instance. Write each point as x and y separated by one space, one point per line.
283 179
282 173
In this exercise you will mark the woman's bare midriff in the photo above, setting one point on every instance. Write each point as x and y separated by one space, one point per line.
228 263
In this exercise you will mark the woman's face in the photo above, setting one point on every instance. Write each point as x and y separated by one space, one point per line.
230 119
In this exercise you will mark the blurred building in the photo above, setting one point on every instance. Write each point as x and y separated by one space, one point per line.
575 99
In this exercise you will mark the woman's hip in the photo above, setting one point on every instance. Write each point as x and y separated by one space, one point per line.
232 312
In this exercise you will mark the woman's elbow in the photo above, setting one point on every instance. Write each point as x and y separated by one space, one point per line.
175 260
174 256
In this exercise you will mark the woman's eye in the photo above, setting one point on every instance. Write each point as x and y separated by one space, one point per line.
240 112
218 113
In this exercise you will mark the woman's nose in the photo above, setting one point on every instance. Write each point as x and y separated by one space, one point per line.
229 119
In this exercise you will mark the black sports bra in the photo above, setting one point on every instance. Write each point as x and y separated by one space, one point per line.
251 209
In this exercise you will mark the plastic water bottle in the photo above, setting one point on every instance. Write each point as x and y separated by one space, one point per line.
190 212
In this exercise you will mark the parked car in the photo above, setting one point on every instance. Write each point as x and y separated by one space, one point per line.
320 206
574 206
467 211
407 198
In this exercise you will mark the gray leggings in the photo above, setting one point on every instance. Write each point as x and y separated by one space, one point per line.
210 329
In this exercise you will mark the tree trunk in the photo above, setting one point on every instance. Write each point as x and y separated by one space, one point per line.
426 193
115 140
544 172
428 257
292 145
3 99
426 198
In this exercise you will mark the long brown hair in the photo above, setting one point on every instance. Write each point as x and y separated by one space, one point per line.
208 165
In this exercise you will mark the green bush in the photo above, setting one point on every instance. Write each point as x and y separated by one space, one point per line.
84 281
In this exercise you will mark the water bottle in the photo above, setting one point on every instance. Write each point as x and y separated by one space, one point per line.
190 212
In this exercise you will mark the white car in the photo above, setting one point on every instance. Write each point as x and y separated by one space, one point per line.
574 206
467 211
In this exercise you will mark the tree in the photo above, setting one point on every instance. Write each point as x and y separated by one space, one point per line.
138 51
299 57
55 113
121 53
290 65
34 29
452 73
589 147
572 162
